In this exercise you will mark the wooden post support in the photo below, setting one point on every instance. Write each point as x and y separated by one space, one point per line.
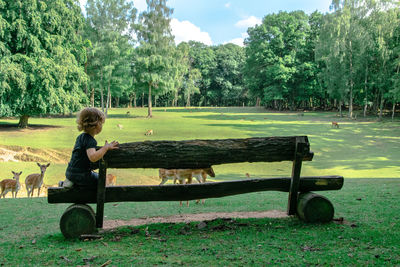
294 184
101 193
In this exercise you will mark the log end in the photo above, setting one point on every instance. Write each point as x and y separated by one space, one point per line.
314 208
78 219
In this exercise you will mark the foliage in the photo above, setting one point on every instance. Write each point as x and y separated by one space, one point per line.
109 26
41 58
278 67
153 58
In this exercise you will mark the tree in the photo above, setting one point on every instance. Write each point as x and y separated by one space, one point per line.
109 27
203 58
227 76
41 58
275 51
154 56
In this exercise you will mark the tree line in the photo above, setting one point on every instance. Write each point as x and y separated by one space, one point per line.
56 59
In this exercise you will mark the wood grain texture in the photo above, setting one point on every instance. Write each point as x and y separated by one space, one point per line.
193 154
191 191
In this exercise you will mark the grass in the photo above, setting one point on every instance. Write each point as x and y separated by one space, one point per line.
368 234
358 149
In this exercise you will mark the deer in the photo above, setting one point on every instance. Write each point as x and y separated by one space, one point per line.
335 124
35 180
12 185
185 176
120 126
111 179
149 132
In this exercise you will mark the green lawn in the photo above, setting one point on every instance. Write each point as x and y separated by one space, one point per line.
368 236
358 149
366 230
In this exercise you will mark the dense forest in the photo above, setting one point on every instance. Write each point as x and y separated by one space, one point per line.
54 59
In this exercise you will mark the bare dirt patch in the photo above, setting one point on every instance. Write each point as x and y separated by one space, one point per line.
16 154
185 218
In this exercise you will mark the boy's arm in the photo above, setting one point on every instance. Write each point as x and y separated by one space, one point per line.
94 155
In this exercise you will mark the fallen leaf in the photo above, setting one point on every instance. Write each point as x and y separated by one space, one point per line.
34 241
106 263
78 249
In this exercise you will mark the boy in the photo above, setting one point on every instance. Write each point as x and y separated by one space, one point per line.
90 121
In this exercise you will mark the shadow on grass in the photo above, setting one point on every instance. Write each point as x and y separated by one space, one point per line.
123 116
359 154
12 127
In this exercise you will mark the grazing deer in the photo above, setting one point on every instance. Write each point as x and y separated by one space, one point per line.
12 185
35 180
149 132
185 176
335 124
111 179
120 126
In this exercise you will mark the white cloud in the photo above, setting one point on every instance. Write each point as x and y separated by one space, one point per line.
228 5
141 5
249 22
238 41
185 31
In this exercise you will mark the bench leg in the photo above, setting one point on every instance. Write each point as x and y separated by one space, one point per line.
101 194
295 182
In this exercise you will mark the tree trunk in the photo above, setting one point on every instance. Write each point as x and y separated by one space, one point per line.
130 100
155 101
134 100
175 101
258 102
340 109
149 110
117 101
381 107
188 101
351 83
108 98
23 121
393 109
101 90
143 100
92 97
366 93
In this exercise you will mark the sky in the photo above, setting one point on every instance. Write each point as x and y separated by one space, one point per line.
215 22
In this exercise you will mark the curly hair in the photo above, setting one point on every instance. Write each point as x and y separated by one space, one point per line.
89 118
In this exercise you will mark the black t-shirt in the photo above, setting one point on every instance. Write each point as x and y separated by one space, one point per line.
80 163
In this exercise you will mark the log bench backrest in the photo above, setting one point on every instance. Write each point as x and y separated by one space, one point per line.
204 153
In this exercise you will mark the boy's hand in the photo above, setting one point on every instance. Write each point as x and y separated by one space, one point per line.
111 146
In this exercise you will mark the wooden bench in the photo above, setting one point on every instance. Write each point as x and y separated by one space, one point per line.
193 154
